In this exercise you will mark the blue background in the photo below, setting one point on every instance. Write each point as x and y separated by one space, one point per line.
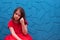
43 17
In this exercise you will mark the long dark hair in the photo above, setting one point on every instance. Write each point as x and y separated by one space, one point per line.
21 11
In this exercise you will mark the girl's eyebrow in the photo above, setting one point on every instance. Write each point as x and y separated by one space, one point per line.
17 13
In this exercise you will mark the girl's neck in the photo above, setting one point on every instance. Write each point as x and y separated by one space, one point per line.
15 21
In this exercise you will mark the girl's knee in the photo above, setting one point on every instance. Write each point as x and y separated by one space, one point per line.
9 37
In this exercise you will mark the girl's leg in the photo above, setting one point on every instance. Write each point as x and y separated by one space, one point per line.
9 37
28 37
25 37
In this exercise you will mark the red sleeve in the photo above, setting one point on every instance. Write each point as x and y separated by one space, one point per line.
10 24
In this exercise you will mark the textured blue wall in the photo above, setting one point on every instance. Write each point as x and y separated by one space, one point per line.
43 17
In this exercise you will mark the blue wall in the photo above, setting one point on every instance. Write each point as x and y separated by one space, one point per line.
43 17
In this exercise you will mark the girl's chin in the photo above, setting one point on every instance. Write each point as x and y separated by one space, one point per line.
16 19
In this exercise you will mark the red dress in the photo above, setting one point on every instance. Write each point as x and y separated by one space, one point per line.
18 30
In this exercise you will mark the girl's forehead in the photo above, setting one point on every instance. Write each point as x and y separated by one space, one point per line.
18 12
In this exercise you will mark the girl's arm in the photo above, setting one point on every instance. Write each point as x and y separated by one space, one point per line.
24 26
13 33
24 29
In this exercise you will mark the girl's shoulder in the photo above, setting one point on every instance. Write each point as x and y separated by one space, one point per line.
10 23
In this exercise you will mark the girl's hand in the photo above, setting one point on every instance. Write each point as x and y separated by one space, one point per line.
22 20
19 39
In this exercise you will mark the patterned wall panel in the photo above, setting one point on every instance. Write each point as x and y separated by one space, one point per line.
43 17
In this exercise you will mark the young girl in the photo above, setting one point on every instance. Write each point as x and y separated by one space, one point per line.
18 26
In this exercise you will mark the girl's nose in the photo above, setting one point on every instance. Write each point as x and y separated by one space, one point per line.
16 15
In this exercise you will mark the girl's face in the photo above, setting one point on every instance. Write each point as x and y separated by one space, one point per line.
17 15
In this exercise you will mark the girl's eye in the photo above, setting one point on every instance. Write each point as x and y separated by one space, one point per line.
16 13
